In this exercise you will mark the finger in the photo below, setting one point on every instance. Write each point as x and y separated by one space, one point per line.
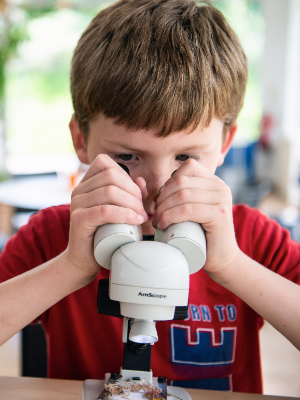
108 195
141 183
110 176
100 164
207 215
182 182
190 168
188 196
88 219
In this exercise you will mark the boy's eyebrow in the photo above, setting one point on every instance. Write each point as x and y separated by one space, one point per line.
118 143
196 147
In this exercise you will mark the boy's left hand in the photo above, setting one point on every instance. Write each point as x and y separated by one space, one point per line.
193 193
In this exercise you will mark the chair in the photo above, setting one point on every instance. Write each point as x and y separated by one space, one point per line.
33 353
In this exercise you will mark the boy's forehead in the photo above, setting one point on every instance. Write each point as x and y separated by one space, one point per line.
105 130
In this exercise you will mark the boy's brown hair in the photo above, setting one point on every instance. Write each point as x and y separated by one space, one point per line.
167 64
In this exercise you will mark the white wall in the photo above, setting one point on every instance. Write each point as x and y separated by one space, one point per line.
281 94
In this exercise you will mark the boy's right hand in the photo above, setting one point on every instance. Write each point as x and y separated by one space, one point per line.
106 194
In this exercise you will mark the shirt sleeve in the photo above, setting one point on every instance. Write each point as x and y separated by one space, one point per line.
273 247
27 249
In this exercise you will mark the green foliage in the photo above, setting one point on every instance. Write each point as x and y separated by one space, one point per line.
38 87
38 12
10 37
13 34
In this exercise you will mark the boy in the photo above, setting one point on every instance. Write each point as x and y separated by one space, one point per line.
156 85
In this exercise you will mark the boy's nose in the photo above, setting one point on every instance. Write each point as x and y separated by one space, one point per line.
155 180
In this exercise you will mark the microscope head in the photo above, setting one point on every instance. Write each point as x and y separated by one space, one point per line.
150 279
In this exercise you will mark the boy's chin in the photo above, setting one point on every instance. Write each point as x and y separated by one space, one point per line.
147 228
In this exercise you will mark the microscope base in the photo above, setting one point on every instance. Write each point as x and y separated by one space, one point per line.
91 388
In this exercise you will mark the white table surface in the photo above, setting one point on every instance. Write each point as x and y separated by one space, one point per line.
35 193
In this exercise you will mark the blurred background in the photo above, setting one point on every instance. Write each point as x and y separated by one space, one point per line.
38 166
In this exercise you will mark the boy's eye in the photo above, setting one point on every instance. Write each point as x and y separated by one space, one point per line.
125 157
183 157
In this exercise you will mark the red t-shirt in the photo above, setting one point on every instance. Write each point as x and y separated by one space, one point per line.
217 347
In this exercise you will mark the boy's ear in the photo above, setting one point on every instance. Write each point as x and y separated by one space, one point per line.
227 141
78 140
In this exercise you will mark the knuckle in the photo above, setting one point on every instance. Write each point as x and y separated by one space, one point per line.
102 161
223 187
74 193
164 219
106 212
186 210
220 182
183 195
111 175
227 192
99 160
181 180
110 191
129 214
75 202
77 216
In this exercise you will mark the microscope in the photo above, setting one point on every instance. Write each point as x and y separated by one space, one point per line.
148 283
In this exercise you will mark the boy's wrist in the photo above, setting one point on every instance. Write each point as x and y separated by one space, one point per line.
224 275
79 276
